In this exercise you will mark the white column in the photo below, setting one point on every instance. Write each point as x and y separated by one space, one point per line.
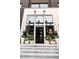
35 27
44 26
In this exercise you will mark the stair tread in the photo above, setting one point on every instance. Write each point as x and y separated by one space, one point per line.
38 54
38 45
39 51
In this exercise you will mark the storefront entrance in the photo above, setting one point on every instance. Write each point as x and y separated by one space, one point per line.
39 35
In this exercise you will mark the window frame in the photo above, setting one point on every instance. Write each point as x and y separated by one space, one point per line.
39 15
40 5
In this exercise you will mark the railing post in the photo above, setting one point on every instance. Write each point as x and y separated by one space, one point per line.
35 27
44 25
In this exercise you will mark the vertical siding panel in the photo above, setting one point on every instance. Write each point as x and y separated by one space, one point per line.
54 3
21 15
25 3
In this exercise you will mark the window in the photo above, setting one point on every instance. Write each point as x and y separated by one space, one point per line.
58 3
35 6
48 18
39 6
20 6
30 18
40 18
43 5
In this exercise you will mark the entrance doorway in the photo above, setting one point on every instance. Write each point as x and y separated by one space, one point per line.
39 35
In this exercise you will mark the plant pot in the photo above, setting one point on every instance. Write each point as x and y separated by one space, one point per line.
49 41
22 40
29 42
55 42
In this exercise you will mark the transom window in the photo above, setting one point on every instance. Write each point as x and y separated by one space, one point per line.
39 5
39 18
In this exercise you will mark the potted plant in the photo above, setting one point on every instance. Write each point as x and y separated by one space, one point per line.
29 38
24 36
50 38
54 38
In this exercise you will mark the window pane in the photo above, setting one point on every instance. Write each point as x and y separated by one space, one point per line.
48 18
35 6
30 18
39 18
43 5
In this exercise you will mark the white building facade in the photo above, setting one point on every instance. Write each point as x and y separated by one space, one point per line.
39 20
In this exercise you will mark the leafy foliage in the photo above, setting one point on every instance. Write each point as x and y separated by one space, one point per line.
24 34
30 37
50 37
27 37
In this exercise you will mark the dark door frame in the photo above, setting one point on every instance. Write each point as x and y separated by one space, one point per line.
39 35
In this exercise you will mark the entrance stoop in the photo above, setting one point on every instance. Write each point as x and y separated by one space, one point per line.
39 51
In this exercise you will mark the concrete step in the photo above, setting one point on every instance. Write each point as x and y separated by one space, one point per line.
54 57
37 48
39 45
39 56
39 51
